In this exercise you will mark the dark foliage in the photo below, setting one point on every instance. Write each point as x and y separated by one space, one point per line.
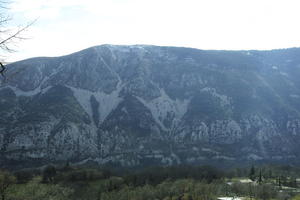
156 175
49 173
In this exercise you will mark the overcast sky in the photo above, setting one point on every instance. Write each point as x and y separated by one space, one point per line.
66 26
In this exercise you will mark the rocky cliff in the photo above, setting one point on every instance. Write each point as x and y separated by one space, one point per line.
136 105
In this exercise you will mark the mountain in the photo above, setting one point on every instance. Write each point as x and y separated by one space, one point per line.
141 105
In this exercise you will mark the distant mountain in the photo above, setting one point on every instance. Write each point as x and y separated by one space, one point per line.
140 105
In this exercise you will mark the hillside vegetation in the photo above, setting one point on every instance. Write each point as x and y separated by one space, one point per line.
159 183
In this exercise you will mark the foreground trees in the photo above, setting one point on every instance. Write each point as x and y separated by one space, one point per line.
35 190
160 183
48 174
6 181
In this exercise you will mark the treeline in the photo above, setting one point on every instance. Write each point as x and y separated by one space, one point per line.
156 175
268 171
159 183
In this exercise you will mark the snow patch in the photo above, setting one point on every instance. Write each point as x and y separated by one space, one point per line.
218 157
164 105
254 157
20 92
283 74
83 98
107 102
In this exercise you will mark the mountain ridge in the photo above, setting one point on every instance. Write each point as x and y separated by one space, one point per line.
135 105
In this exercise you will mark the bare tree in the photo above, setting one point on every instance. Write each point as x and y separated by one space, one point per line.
9 36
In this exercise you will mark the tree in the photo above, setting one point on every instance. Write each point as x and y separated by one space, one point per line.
48 174
23 176
279 181
9 37
34 190
252 173
6 180
260 177
292 182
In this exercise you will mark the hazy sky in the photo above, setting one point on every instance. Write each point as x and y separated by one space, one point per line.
66 26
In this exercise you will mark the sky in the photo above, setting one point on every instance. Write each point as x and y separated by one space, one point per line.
67 26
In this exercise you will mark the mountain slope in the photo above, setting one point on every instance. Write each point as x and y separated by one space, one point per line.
134 105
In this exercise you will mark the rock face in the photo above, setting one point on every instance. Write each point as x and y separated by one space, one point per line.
136 105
